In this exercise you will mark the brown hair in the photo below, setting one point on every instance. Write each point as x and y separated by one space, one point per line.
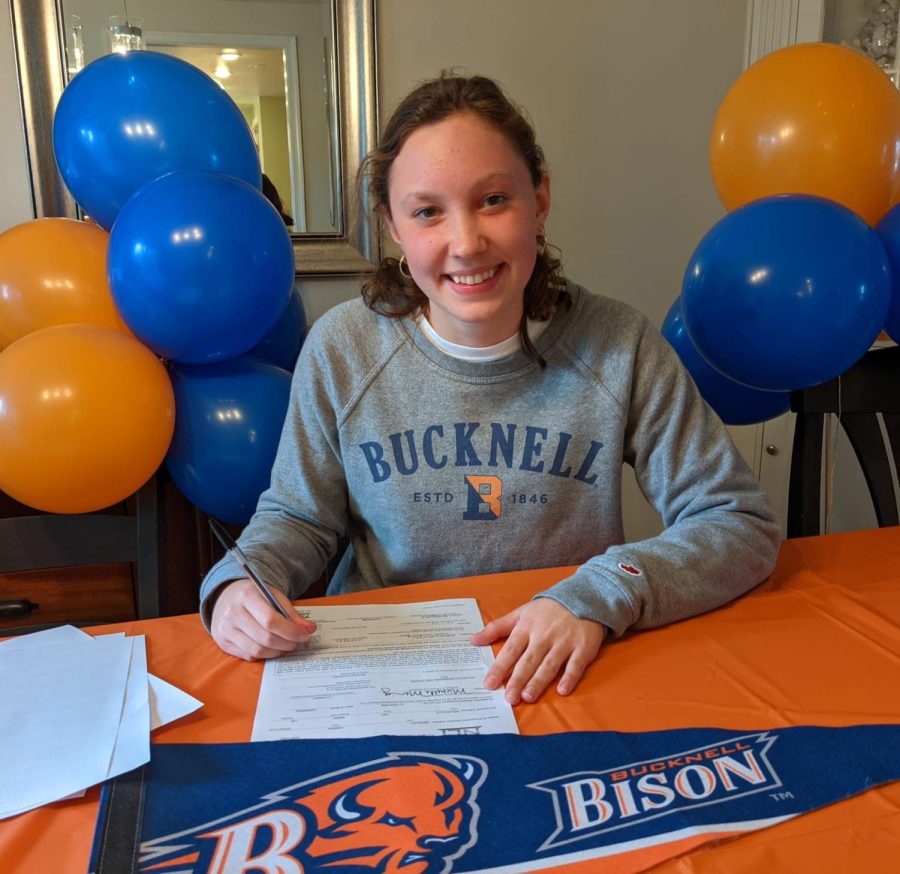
388 291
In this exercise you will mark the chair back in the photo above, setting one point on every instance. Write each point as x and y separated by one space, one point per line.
863 398
46 540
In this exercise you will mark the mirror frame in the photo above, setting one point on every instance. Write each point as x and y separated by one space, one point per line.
38 28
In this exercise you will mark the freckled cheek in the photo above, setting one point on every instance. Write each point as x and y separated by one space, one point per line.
425 255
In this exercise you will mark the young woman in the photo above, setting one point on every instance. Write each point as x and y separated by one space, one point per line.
472 414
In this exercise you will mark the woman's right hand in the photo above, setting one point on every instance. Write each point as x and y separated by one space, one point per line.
245 625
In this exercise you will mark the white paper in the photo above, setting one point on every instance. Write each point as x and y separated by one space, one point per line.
132 747
404 669
62 704
167 702
60 634
147 703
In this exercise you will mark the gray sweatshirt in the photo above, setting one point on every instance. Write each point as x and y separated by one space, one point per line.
433 467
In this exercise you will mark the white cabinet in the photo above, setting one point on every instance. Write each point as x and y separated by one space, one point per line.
773 24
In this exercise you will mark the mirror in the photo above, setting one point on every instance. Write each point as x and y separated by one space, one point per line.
302 72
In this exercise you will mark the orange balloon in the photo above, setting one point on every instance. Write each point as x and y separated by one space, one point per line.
86 417
53 272
812 118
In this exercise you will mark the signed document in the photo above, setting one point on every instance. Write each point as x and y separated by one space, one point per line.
405 669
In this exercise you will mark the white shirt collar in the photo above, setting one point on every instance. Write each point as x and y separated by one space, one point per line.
480 353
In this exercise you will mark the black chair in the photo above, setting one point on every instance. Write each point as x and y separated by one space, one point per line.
868 392
46 540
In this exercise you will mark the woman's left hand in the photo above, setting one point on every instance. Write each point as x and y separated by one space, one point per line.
543 637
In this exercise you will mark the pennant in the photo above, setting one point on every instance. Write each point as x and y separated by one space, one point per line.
434 805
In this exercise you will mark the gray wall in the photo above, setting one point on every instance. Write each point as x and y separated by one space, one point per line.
15 202
623 96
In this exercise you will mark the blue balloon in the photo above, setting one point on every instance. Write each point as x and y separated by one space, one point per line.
200 266
888 231
125 120
228 420
282 344
786 292
734 403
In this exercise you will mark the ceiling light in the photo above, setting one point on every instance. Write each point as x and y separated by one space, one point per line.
124 35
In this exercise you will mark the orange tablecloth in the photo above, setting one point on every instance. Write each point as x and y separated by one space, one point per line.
817 644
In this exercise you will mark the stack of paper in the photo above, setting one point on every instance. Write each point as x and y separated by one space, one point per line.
76 710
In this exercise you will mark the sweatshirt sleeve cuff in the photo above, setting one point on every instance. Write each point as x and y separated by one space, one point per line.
591 595
224 572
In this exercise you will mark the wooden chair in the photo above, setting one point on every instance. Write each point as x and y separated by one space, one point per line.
863 398
44 540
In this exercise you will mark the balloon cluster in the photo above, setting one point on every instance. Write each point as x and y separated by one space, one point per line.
794 284
182 259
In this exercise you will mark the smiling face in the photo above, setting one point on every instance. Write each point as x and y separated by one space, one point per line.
466 213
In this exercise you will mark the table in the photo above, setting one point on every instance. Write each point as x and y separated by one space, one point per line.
816 644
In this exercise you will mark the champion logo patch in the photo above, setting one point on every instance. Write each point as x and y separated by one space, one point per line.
629 569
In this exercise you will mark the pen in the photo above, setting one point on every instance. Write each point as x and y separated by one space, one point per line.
237 554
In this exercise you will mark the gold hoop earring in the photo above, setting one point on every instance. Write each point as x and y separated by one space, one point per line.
400 265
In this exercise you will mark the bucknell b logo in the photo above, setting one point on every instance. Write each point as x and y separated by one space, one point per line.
408 813
485 498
